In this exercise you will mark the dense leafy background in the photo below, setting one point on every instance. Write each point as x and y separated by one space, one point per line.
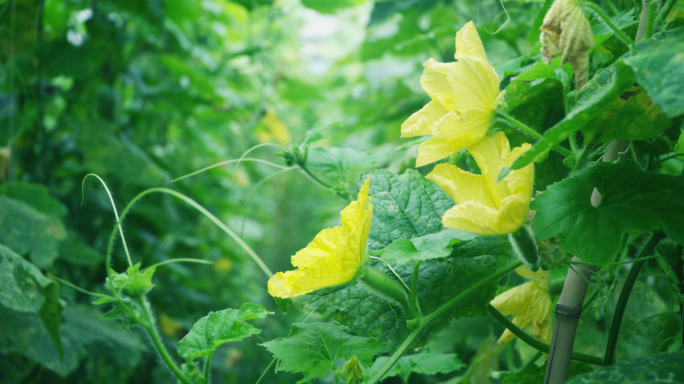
142 92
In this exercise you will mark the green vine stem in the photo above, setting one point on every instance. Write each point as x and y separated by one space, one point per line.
152 330
609 356
626 40
533 342
651 19
413 301
667 8
207 367
422 323
338 192
531 132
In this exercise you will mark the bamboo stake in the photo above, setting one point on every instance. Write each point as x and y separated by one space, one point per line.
569 307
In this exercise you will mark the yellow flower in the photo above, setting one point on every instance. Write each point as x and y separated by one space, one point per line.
333 257
532 303
484 206
464 95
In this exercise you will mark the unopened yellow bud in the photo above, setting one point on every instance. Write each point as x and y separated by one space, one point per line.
566 33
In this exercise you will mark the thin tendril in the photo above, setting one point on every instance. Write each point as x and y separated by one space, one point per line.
180 260
232 178
76 287
116 214
393 271
228 162
508 18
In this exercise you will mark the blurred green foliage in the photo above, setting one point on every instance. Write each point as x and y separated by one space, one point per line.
143 92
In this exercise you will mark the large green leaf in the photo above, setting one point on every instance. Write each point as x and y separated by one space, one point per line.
404 207
535 373
336 163
425 362
313 349
433 246
578 117
370 315
23 288
660 70
632 116
108 154
218 328
633 200
29 232
112 353
35 195
658 368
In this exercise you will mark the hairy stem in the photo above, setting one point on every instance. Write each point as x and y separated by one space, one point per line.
651 19
160 346
533 342
618 32
426 320
531 132
609 356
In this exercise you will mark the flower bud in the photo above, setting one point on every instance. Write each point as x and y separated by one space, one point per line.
566 33
353 371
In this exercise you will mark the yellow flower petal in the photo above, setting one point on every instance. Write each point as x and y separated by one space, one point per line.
474 84
333 257
472 123
435 84
433 149
468 43
531 302
483 205
421 122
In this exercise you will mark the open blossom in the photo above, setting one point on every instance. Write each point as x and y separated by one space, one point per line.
464 95
532 303
484 206
334 255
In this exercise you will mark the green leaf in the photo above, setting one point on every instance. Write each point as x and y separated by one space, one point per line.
336 163
660 70
603 32
112 353
107 154
535 373
139 283
193 372
633 200
404 207
577 118
433 246
218 328
313 349
425 362
658 368
35 195
29 232
370 315
23 288
75 251
632 116
331 7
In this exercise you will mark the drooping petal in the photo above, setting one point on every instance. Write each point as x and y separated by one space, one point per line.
435 84
474 85
468 43
474 217
421 122
333 257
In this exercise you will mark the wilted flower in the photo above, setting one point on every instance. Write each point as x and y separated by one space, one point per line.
532 303
333 257
464 95
566 33
484 206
